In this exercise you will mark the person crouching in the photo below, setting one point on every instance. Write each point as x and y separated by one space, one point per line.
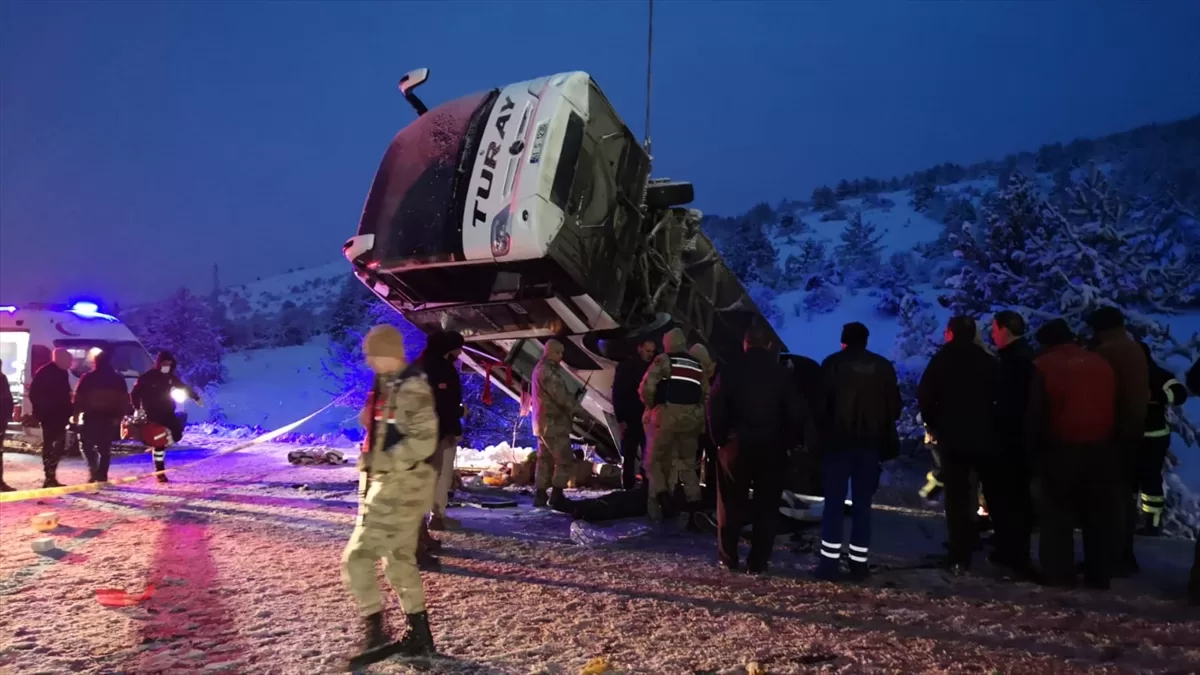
395 493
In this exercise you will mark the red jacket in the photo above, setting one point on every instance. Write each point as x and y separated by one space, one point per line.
1073 397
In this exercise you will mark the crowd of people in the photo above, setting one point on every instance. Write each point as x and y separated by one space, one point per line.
96 408
1070 434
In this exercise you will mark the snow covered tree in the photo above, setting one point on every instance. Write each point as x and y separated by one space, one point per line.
350 310
823 298
750 253
296 324
823 198
921 195
183 325
1029 256
895 283
810 259
859 253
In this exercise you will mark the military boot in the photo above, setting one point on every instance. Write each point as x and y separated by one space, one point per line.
426 542
51 480
417 641
375 644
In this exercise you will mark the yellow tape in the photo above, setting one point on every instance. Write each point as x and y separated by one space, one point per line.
25 495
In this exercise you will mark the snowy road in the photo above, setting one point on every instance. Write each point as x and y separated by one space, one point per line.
243 552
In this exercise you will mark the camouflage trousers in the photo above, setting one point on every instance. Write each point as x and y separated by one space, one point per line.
672 445
555 461
391 508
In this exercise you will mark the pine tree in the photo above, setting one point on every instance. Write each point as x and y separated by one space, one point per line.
751 254
895 282
859 253
183 325
823 198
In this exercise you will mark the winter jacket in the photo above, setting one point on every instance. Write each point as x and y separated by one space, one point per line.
1165 391
1012 397
50 396
756 401
403 433
675 376
152 393
1133 380
627 405
957 398
860 401
7 404
444 380
553 405
1072 398
102 395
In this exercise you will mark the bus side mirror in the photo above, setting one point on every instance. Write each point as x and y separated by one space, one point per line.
411 81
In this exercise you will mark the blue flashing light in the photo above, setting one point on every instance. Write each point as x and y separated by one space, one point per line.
8 309
90 310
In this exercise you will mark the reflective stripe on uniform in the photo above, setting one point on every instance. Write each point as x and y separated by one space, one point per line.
1152 503
831 550
1161 433
1167 388
686 370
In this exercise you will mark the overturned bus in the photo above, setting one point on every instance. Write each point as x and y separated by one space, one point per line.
525 213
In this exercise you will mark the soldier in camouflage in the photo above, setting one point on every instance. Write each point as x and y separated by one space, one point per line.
554 409
396 491
674 391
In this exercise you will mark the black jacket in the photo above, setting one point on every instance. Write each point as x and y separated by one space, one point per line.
627 404
152 393
102 395
756 400
50 396
445 381
957 398
1012 396
860 401
1165 392
7 404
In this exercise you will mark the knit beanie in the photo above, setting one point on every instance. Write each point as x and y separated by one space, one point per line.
384 340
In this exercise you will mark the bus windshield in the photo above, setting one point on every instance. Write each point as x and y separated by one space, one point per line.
415 205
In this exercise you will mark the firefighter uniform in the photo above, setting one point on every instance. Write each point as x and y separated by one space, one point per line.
395 492
1165 391
673 390
553 413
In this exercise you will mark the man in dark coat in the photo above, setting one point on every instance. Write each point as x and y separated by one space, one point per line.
860 405
442 349
1009 500
50 396
102 399
7 405
957 396
152 393
628 409
804 467
1133 400
1070 427
1193 383
753 409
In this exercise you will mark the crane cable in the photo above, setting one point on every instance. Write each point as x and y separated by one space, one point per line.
649 65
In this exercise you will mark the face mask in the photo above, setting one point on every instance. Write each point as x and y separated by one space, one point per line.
166 369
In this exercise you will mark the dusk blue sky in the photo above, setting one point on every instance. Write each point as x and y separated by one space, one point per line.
140 143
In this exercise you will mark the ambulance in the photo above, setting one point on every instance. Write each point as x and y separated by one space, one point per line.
30 333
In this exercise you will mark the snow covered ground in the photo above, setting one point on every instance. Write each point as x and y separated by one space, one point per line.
243 553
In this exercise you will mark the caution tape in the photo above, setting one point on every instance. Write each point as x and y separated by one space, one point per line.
43 493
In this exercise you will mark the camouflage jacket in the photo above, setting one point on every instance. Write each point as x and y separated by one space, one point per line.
405 430
553 405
